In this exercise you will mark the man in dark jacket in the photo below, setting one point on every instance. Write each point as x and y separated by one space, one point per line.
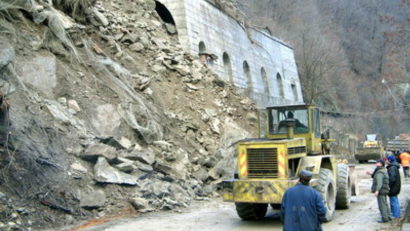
381 188
394 184
302 206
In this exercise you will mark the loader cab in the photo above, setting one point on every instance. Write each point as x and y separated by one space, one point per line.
274 124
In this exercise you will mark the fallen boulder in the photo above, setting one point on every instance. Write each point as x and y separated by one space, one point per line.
104 173
140 204
97 150
146 157
92 199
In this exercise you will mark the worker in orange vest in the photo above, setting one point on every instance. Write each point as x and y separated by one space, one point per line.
405 162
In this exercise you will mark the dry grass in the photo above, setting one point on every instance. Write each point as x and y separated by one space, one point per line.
76 8
9 10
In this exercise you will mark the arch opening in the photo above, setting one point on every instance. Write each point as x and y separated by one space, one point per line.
227 66
247 72
204 55
265 81
295 92
201 47
164 13
280 85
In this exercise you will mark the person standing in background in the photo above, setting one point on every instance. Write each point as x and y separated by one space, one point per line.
405 162
394 184
380 188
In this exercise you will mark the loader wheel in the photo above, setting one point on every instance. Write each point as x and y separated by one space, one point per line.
326 188
344 187
250 211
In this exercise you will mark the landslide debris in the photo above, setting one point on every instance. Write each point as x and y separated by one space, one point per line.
103 112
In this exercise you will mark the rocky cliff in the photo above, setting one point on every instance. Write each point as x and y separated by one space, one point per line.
104 113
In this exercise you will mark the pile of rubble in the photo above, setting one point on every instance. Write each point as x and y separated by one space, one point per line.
124 117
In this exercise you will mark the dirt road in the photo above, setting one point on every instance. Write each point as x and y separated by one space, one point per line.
218 216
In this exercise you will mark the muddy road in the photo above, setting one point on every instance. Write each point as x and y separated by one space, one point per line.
216 215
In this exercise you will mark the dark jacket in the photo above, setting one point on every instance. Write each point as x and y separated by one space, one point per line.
380 181
394 178
302 209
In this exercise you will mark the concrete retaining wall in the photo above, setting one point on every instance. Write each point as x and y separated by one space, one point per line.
272 78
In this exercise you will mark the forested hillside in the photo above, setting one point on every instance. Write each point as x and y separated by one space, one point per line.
353 56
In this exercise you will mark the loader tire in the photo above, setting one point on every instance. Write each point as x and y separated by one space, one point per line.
344 187
327 188
251 211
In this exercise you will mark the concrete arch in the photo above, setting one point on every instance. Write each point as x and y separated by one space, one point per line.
164 13
280 85
227 66
201 47
294 91
248 76
264 77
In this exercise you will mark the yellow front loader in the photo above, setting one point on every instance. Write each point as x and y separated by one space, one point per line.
290 141
371 149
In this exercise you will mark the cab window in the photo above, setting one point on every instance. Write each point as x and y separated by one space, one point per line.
277 119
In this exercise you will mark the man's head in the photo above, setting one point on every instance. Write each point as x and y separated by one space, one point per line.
305 176
391 159
290 115
380 163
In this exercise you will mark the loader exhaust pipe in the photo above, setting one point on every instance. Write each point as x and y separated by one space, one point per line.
290 123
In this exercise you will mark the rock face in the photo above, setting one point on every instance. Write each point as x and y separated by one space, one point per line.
104 173
112 103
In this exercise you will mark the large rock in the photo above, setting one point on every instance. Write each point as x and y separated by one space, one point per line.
171 29
137 47
146 156
91 199
144 167
100 17
96 150
140 204
155 188
201 174
119 143
183 70
39 71
163 167
62 115
73 105
78 167
7 53
164 145
126 167
178 168
58 112
125 142
104 173
225 154
215 123
103 114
